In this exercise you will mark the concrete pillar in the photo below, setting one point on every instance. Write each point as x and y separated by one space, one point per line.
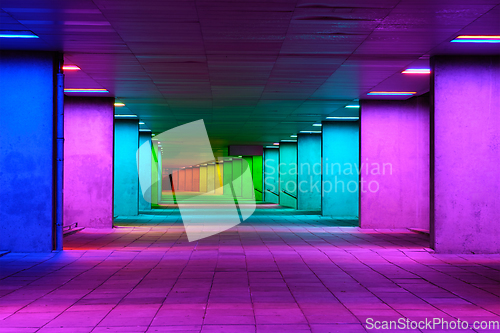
309 172
203 178
465 154
247 190
394 187
189 179
27 105
228 176
271 176
257 174
160 176
126 180
211 177
340 149
219 178
196 179
145 170
154 172
182 180
237 180
88 161
288 174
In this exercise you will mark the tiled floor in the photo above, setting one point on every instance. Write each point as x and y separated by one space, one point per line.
277 272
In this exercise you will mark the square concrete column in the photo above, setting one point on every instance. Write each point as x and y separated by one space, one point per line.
126 180
395 157
27 165
203 178
257 174
196 179
88 161
271 176
288 174
227 175
465 154
247 189
154 172
189 179
309 172
219 178
340 152
237 179
211 177
145 170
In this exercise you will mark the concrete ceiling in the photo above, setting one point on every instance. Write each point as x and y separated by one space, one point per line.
256 72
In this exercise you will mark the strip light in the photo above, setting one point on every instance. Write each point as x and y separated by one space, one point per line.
392 93
343 118
317 125
352 106
85 90
272 147
416 71
288 140
125 116
293 136
71 68
476 39
310 132
119 104
276 143
17 34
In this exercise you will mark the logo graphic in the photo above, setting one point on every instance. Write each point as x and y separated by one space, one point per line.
221 195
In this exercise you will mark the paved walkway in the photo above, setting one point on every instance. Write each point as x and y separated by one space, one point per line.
277 272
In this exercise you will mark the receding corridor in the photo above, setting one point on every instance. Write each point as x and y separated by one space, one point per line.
282 270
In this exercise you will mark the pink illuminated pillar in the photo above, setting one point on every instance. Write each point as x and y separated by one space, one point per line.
394 183
465 154
88 161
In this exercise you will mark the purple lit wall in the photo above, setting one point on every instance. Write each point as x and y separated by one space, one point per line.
88 161
395 141
466 191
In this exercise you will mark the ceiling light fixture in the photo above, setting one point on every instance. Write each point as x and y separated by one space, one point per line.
288 140
141 123
85 90
272 147
276 143
310 132
352 106
70 68
125 116
119 104
17 34
317 124
343 118
392 93
416 71
476 39
293 136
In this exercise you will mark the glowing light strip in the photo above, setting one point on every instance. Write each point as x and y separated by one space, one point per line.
119 104
125 116
272 147
71 68
416 71
343 118
276 143
317 125
79 90
352 106
288 140
17 34
476 39
310 131
392 93
293 136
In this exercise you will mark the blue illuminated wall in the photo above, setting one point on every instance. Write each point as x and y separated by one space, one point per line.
271 177
126 180
340 152
26 155
288 174
309 172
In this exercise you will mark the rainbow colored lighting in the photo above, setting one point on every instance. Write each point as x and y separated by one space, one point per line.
17 34
392 93
85 90
476 39
416 71
71 68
